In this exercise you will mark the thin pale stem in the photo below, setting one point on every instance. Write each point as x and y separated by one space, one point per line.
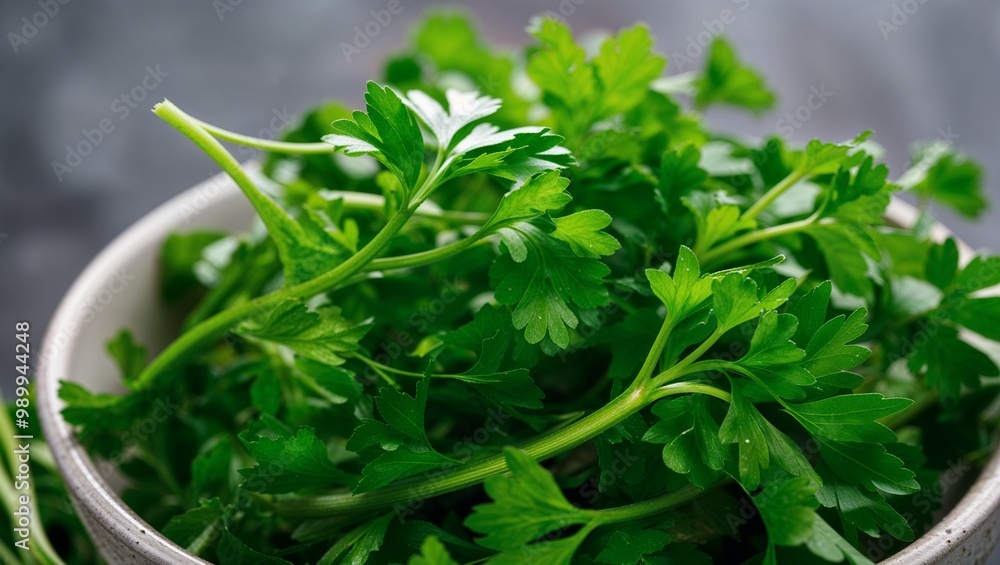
653 357
265 144
716 253
771 195
438 483
691 388
649 507
216 326
681 368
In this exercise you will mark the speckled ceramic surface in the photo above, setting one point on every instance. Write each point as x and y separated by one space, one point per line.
120 289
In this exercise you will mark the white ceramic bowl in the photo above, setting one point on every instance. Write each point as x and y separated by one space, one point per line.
120 289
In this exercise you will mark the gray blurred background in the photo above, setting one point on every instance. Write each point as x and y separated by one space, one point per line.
930 73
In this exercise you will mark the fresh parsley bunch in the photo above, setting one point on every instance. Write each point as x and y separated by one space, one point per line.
529 308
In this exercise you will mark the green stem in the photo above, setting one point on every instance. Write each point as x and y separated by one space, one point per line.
216 326
206 536
681 368
649 507
777 190
427 257
435 484
549 445
756 236
692 388
430 210
265 144
653 357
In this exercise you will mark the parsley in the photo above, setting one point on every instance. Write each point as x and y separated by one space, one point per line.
462 289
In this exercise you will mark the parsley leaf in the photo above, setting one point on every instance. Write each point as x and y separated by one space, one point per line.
850 417
691 437
726 80
432 552
322 335
526 506
941 174
630 546
788 509
388 132
397 447
129 355
301 458
544 276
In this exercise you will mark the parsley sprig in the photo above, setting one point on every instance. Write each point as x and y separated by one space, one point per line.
450 289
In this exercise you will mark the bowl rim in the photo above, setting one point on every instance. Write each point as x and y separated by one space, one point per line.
97 501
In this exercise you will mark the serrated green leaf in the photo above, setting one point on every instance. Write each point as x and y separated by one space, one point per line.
868 464
981 315
464 108
323 335
356 547
947 177
849 417
862 508
625 66
630 546
726 80
128 354
526 506
788 509
735 299
831 546
546 280
388 132
432 552
542 193
692 440
948 362
860 196
288 464
397 447
679 176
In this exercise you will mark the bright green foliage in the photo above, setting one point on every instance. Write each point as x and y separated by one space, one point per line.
692 440
323 335
129 355
432 552
399 444
629 547
727 80
525 506
706 344
788 509
388 132
544 276
301 459
942 175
